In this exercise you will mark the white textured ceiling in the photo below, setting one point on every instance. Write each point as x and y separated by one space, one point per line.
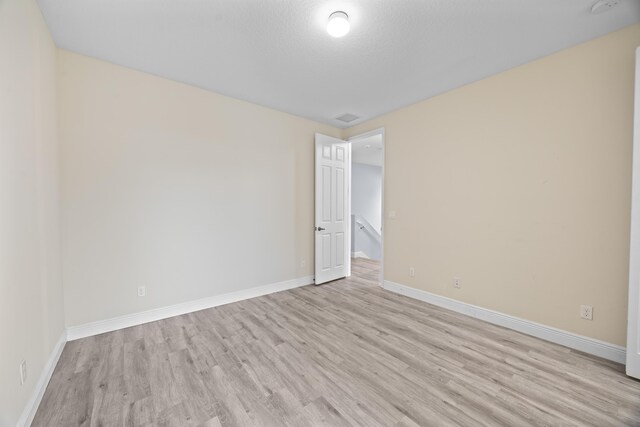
367 151
277 53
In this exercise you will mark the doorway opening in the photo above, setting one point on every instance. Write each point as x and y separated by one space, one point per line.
367 199
340 231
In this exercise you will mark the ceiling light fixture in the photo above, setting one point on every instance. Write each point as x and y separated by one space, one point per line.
604 5
338 24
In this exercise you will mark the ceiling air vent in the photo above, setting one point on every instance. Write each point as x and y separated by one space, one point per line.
347 118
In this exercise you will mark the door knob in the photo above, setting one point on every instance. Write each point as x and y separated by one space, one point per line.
319 229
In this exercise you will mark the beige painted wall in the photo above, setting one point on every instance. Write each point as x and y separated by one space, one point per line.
519 184
186 192
31 301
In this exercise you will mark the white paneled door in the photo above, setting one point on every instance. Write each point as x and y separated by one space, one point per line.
333 165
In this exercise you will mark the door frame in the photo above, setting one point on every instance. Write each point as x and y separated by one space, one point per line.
378 131
633 313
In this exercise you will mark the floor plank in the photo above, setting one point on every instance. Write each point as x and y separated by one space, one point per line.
343 353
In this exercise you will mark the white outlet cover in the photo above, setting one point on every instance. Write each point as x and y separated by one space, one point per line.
586 312
141 291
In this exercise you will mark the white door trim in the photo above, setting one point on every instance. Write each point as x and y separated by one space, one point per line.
633 316
378 131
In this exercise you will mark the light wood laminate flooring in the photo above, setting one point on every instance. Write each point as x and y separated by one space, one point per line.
344 353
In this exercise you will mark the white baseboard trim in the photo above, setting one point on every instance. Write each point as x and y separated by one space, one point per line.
134 319
599 348
32 405
359 254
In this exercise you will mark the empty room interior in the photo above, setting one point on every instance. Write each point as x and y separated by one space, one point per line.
304 213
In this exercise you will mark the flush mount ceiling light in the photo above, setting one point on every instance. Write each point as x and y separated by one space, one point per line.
604 5
338 24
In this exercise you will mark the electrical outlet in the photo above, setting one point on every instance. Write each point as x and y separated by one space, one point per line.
457 283
23 372
586 312
412 272
141 291
303 263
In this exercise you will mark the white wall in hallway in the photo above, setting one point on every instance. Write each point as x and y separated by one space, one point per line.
366 193
366 201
